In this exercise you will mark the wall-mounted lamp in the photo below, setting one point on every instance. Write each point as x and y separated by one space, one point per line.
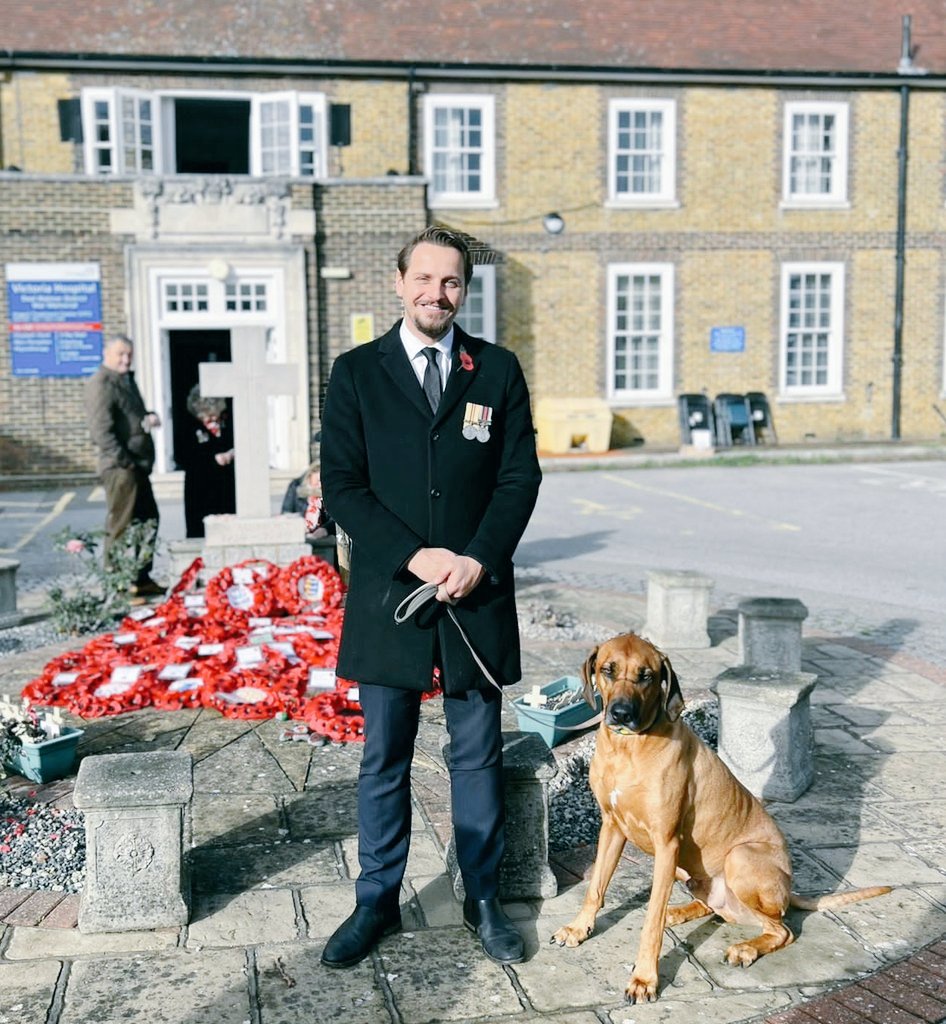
553 223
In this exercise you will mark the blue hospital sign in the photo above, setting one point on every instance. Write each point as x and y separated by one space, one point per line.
55 319
727 339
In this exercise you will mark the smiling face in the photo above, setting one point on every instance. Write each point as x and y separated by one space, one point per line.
432 290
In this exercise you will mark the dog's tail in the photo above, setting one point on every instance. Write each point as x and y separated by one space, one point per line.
838 899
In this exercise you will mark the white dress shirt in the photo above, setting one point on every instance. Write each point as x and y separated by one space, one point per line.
415 348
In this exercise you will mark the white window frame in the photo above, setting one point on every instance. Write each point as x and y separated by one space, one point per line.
290 160
832 387
837 196
666 193
485 277
485 195
117 143
665 353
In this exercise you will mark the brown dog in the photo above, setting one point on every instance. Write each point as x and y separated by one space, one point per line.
661 787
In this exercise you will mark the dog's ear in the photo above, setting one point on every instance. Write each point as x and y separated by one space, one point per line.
588 678
673 698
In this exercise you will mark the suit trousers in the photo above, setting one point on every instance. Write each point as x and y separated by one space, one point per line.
384 790
129 498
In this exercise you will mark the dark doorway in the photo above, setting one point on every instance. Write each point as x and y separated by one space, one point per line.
212 136
188 350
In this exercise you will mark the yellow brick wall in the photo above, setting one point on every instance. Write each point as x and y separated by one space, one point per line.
378 129
29 121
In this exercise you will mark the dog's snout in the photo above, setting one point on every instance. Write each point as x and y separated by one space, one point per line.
623 712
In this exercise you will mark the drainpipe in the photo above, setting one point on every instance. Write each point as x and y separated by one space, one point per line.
411 123
906 67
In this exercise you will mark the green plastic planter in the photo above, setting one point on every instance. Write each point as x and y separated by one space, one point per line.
49 759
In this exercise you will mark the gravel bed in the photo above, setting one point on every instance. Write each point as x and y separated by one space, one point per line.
41 847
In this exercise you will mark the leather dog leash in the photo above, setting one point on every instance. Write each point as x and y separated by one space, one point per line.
427 592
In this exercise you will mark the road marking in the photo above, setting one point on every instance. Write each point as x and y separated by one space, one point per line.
711 506
57 510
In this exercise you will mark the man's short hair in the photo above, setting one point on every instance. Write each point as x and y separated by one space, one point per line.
115 338
436 235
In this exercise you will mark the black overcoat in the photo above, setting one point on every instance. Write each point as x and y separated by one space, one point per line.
397 478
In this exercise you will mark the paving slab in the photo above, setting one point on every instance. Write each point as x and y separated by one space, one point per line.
293 986
44 943
243 919
714 1008
225 819
441 975
211 731
243 766
323 810
823 951
267 865
179 987
879 864
597 972
26 991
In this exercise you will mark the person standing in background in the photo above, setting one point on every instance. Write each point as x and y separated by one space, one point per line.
209 476
120 427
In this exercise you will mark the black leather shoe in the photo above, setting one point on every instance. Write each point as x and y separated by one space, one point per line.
357 936
501 942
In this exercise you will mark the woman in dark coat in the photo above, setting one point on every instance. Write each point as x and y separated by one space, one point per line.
209 481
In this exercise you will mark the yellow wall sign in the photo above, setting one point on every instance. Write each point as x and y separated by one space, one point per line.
362 327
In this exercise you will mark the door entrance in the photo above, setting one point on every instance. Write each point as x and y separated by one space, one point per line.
188 349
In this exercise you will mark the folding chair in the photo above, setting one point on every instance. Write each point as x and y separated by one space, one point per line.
695 413
762 420
733 420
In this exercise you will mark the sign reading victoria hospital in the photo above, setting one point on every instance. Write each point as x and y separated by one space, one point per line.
55 314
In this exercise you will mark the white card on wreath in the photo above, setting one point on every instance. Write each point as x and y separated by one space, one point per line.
259 620
194 601
247 657
140 613
321 679
285 647
65 678
186 685
158 620
175 671
187 643
125 674
208 650
261 636
241 574
354 695
122 639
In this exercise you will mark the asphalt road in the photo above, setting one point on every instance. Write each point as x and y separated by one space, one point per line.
863 545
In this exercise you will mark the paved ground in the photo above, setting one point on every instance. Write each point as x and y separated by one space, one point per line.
274 861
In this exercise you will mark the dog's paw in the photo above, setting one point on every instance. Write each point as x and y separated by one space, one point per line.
572 935
641 989
741 954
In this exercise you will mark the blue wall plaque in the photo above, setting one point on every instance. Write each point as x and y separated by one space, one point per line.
727 339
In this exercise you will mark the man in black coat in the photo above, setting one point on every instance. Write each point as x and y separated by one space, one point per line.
429 465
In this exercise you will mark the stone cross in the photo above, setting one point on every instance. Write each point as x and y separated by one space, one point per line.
248 379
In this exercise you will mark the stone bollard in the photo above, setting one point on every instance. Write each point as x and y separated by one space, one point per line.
677 609
138 832
528 767
9 616
770 632
765 733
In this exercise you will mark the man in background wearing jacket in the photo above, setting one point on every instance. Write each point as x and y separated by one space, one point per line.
121 427
429 465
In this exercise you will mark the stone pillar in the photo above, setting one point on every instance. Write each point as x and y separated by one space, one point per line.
765 733
232 539
138 834
677 609
9 616
528 767
770 632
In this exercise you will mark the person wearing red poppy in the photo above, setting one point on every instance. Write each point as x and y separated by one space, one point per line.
429 465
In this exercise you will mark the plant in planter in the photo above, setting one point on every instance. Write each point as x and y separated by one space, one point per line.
35 743
101 595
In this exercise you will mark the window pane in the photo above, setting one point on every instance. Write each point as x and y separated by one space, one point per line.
639 152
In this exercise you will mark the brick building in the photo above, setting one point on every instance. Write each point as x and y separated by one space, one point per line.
666 197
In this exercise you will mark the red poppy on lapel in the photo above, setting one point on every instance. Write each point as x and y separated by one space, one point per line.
465 360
